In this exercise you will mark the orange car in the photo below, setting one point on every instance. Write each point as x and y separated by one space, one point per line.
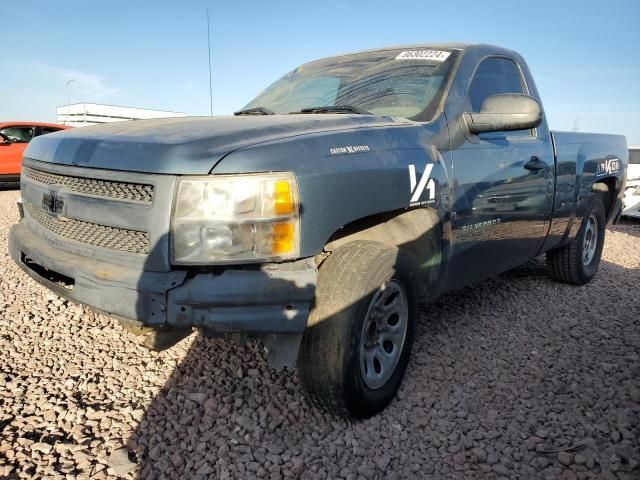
14 137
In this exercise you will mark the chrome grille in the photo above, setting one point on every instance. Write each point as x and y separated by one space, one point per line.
101 188
113 238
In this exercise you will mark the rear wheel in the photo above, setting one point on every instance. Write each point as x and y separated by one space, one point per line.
578 261
358 341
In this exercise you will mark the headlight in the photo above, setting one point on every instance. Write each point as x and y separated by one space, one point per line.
232 218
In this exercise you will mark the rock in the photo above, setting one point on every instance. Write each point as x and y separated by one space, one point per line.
205 470
542 433
198 397
480 454
459 458
565 458
366 471
41 447
177 460
492 459
382 462
580 459
94 414
154 453
119 462
82 460
500 469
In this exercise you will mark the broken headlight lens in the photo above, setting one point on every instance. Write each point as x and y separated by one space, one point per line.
235 218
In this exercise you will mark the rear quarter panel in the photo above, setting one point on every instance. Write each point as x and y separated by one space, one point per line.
582 159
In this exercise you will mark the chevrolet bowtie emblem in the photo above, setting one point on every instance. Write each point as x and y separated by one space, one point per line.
52 203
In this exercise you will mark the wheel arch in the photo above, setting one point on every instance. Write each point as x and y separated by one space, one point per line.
608 188
419 232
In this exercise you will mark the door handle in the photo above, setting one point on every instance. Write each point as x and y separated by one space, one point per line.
534 164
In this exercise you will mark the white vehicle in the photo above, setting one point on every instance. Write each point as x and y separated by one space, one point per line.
632 191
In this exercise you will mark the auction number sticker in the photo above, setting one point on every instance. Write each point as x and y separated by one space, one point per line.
436 55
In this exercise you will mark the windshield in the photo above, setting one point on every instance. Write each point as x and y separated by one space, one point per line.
399 82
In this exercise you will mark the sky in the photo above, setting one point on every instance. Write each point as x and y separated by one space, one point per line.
153 54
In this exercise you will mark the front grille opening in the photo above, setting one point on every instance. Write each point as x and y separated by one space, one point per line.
112 238
90 186
54 277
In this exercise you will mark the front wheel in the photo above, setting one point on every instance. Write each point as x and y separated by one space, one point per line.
357 344
578 261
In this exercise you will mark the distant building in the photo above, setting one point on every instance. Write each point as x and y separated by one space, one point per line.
86 114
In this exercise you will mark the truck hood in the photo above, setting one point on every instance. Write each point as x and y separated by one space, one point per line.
186 145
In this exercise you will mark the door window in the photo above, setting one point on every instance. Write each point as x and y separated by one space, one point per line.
22 134
495 76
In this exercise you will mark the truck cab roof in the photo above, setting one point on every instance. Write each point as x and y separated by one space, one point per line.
434 46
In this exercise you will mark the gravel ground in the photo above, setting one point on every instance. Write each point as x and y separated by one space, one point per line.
516 377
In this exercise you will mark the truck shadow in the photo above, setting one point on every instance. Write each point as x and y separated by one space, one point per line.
224 413
628 225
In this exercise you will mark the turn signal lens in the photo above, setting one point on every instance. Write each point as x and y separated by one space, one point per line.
283 198
283 238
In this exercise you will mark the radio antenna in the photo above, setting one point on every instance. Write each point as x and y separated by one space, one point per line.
210 76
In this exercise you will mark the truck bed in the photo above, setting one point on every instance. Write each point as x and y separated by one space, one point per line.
594 155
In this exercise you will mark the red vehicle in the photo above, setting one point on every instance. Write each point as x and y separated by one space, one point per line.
14 137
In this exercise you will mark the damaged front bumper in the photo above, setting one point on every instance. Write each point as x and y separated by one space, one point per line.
271 301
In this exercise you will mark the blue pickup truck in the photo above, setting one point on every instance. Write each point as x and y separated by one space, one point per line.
316 217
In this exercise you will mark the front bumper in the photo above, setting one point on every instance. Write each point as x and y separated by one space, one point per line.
274 299
9 179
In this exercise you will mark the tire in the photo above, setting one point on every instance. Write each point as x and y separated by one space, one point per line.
577 262
345 368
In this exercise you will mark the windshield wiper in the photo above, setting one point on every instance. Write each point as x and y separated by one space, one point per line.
335 109
255 111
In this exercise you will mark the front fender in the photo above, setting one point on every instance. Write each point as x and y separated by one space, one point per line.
351 175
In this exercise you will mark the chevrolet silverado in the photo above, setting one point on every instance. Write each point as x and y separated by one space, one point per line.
316 217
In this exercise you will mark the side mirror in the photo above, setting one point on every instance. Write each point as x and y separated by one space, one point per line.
504 112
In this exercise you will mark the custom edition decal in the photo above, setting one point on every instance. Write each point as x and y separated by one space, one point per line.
609 167
417 187
434 55
349 149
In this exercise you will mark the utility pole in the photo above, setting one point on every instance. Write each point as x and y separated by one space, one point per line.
210 76
576 127
67 118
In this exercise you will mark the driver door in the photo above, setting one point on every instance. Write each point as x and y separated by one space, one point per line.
500 207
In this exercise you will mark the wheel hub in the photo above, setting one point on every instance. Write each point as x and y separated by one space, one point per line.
383 334
590 242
